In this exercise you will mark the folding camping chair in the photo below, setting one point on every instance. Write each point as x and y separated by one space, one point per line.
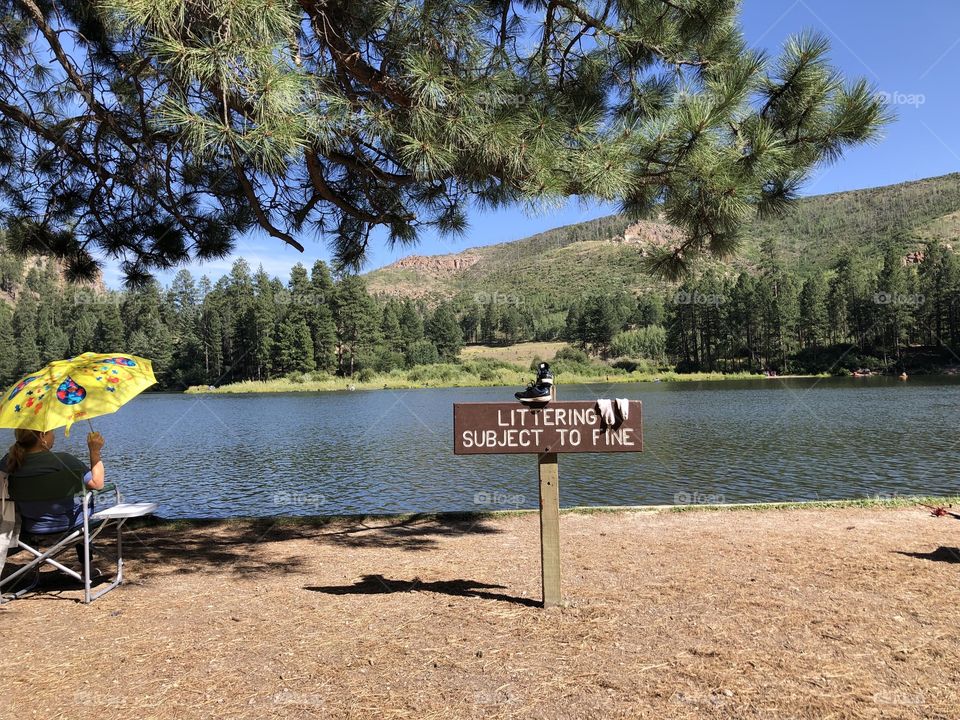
85 532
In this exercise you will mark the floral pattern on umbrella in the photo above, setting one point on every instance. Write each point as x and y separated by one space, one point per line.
84 387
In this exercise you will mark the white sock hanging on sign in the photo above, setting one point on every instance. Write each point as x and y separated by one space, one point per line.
623 408
605 408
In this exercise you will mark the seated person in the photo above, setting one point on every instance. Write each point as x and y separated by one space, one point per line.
46 485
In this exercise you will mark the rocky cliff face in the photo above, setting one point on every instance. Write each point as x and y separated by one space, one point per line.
437 264
644 234
650 234
438 276
14 271
421 277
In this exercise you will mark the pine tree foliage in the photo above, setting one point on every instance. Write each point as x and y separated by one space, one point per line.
443 330
152 131
898 311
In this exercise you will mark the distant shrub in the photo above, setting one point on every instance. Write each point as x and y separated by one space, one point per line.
574 361
486 369
386 360
571 354
366 375
319 376
439 372
646 342
631 366
297 378
422 352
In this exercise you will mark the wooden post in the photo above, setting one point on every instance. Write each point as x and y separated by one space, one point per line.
549 471
549 528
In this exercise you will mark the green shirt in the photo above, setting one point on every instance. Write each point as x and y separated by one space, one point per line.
47 476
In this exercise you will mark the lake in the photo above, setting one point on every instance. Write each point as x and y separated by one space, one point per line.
391 451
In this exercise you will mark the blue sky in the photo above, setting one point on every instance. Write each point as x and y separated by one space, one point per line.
910 51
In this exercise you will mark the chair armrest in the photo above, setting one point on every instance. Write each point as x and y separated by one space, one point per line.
107 488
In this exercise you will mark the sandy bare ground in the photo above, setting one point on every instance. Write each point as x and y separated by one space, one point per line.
776 614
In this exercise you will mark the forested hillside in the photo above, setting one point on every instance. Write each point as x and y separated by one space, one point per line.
866 279
893 313
247 325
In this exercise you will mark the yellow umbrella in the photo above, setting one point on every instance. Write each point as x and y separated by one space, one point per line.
80 388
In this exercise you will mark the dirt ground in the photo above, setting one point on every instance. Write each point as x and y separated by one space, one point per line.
832 613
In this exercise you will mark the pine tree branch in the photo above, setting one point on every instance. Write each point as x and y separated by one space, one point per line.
349 58
600 24
46 133
262 218
102 113
365 165
326 192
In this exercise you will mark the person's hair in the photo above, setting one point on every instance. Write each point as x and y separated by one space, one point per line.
25 439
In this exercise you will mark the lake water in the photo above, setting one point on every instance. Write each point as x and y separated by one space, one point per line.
391 451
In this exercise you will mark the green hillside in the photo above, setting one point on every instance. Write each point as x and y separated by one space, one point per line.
592 256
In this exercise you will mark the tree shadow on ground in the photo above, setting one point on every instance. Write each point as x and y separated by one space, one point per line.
379 585
416 532
234 545
49 582
941 554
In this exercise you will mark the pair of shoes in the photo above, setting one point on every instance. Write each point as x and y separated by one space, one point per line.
98 577
538 392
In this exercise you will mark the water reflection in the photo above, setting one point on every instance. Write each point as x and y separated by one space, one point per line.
391 451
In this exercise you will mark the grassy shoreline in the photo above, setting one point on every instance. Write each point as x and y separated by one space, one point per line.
322 520
455 376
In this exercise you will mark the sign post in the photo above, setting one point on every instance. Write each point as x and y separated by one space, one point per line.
574 426
549 528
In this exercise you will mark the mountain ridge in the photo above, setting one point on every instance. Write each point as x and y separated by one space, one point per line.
606 254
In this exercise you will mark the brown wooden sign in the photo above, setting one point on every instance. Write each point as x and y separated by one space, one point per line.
559 427
571 426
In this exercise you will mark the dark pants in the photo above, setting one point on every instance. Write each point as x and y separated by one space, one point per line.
79 550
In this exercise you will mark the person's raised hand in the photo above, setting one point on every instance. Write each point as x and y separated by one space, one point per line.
95 441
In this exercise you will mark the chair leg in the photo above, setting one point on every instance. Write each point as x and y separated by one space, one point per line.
118 577
86 570
14 594
84 546
45 557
